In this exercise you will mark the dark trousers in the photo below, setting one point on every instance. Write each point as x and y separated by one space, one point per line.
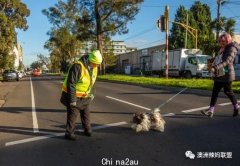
227 86
72 115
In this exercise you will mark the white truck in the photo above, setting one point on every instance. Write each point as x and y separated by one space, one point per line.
186 63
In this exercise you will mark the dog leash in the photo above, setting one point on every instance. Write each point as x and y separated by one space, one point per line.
157 109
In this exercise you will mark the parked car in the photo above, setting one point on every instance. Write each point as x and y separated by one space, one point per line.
10 75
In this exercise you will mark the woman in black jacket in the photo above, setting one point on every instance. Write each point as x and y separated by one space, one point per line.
224 74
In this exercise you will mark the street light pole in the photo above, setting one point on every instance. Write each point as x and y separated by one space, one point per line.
166 47
186 33
218 19
218 26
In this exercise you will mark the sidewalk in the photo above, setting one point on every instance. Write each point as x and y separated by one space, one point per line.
5 89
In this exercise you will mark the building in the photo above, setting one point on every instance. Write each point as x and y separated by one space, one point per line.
138 60
18 55
117 47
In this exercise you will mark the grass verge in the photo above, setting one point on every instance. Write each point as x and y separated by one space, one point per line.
204 84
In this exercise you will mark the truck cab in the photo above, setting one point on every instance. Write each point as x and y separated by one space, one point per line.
196 65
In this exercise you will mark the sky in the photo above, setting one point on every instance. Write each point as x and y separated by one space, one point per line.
143 31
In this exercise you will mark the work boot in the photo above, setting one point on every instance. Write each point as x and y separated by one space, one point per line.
71 137
235 110
88 133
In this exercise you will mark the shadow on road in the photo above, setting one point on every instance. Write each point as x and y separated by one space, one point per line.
109 112
28 109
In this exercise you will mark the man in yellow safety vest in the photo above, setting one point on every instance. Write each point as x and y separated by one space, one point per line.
77 92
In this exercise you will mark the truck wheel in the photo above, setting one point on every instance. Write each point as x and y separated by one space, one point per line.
188 74
160 74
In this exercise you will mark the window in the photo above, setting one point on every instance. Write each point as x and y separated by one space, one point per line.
192 60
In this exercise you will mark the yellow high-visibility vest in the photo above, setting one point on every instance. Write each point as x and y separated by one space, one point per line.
85 82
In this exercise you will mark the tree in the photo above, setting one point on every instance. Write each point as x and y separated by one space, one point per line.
43 60
55 64
178 33
199 17
225 25
109 18
229 26
202 16
35 65
64 40
13 15
93 19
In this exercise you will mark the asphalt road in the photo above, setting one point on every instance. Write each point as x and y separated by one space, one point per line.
32 125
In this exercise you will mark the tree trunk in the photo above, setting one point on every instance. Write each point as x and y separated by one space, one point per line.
99 36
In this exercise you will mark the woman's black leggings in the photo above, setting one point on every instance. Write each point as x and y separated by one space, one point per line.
227 86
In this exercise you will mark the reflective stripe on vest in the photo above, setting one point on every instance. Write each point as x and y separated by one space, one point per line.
85 82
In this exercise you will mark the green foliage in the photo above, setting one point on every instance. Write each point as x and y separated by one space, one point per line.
55 65
199 17
21 66
35 65
64 42
76 21
229 26
43 60
178 33
202 16
13 15
225 25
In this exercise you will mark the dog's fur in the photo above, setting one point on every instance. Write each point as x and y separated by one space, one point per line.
146 121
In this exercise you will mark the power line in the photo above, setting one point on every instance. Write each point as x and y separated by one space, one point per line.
151 42
141 33
153 6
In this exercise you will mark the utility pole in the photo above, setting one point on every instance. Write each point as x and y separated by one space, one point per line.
166 48
218 19
186 33
218 27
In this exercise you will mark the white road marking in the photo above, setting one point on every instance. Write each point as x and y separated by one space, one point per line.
203 108
51 134
223 104
145 108
228 103
34 114
168 114
170 99
195 109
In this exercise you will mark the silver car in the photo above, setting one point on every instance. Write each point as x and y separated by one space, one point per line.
10 75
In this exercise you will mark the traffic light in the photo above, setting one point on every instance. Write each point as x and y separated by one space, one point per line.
161 23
